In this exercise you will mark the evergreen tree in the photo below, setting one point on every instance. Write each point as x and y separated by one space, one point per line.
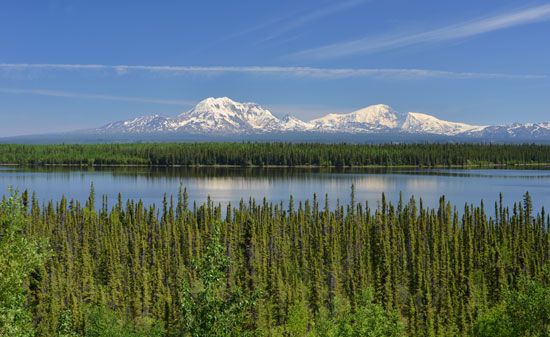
208 307
20 256
267 269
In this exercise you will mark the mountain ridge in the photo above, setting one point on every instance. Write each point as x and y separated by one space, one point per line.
224 116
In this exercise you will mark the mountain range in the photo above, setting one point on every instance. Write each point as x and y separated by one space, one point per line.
225 117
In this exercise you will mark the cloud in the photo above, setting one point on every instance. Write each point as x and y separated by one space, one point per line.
281 25
310 72
70 94
462 30
311 16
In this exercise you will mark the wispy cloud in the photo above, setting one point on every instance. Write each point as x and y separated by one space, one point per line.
311 16
281 25
71 94
462 30
327 73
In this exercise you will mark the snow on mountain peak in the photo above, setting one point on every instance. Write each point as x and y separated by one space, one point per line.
291 123
216 104
151 123
417 122
222 115
371 118
377 114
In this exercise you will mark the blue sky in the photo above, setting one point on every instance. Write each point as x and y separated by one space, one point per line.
68 65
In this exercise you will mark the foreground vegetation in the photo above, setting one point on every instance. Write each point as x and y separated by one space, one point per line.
276 154
257 268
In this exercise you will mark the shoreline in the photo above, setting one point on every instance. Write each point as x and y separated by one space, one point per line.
487 166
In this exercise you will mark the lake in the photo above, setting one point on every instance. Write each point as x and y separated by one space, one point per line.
225 185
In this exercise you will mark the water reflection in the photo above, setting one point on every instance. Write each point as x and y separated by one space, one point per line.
226 184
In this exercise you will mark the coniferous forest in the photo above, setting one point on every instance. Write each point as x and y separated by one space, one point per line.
276 154
283 168
263 269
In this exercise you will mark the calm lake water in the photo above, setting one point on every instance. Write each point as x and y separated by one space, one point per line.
225 185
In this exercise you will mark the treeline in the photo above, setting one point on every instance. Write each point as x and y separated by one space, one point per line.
276 154
299 269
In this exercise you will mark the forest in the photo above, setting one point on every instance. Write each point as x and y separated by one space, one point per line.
276 154
264 269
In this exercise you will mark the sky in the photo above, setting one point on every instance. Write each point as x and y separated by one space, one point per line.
67 65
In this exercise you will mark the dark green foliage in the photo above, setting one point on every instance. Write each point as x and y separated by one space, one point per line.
20 256
367 320
103 322
284 270
275 154
208 307
523 312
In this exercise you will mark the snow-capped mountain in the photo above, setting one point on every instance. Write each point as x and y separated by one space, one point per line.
417 122
153 123
375 118
223 116
382 118
515 130
212 115
291 123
